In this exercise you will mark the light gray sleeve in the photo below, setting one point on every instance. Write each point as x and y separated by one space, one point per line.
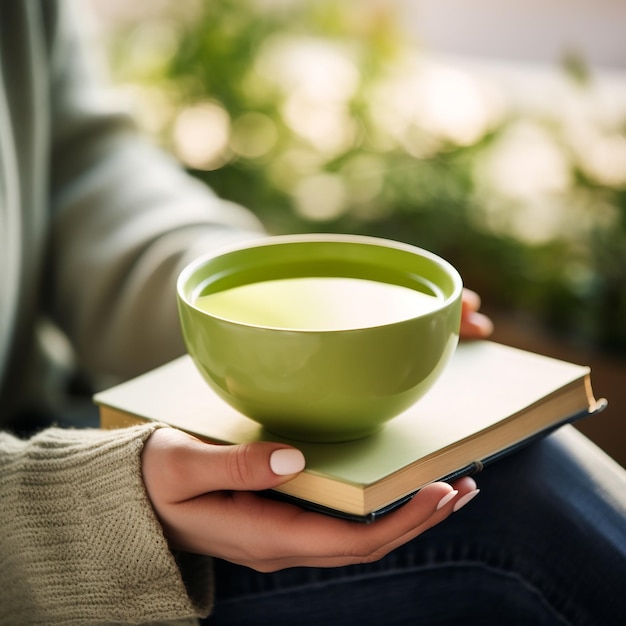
127 218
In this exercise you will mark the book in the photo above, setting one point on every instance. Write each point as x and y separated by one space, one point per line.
490 400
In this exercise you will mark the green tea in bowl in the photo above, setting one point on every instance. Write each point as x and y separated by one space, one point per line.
318 303
320 337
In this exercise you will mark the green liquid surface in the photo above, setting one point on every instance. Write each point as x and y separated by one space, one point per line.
318 303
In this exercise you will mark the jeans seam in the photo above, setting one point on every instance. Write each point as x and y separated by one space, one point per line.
319 584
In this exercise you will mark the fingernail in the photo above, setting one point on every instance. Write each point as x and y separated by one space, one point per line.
287 461
449 496
461 502
482 323
472 299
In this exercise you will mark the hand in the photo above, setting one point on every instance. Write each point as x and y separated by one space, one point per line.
474 325
203 494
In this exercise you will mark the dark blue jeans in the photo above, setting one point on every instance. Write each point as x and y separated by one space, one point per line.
543 544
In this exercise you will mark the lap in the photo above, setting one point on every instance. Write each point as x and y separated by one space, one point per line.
544 543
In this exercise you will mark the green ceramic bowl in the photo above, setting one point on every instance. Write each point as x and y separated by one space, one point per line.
320 337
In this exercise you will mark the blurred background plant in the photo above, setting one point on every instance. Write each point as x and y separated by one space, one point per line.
327 116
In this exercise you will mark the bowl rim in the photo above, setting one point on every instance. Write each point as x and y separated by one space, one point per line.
271 240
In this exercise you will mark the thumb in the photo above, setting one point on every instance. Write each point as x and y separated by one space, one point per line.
177 466
254 466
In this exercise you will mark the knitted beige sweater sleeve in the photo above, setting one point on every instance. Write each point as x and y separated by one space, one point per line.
79 541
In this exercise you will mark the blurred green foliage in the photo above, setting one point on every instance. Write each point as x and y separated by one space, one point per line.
323 116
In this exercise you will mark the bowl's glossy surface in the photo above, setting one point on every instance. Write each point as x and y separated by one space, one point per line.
321 384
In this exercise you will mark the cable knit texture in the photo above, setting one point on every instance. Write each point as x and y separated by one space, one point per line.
80 537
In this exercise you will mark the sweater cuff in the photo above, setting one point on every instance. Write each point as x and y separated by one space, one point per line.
81 539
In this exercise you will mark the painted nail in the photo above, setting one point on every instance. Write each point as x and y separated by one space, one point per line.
287 461
447 498
461 502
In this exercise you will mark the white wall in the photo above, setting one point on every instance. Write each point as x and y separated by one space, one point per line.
523 30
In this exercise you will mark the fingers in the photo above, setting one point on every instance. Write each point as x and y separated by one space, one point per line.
431 506
181 467
417 523
471 300
474 325
303 538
